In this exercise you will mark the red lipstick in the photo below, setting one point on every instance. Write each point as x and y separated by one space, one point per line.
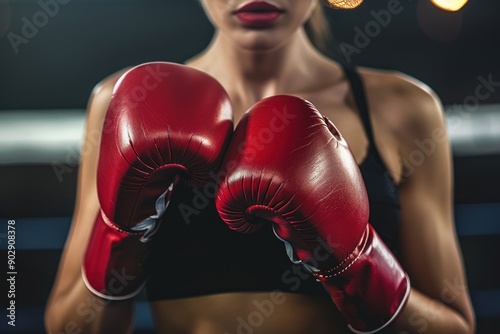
258 14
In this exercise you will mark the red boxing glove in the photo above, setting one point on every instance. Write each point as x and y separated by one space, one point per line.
165 122
305 181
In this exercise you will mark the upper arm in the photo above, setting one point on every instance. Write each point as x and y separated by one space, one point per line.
429 248
87 204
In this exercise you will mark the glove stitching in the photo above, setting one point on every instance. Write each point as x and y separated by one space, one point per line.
325 277
113 225
321 276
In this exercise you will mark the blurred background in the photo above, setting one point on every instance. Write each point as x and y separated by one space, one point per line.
53 52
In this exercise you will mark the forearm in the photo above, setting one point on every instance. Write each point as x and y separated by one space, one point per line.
423 314
80 311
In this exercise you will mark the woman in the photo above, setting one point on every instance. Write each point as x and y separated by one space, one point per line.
263 50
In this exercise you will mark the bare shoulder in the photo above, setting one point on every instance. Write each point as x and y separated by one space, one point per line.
101 94
407 104
107 84
87 204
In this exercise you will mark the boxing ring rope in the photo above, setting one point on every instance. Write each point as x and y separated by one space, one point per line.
48 136
32 142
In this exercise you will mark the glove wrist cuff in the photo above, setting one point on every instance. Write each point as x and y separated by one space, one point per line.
348 262
394 316
370 289
114 263
109 296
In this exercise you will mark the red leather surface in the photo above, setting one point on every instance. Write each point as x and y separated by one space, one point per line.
303 179
165 122
369 288
178 127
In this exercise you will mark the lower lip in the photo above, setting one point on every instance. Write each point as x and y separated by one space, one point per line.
258 19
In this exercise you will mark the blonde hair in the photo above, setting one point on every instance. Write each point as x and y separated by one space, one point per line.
318 29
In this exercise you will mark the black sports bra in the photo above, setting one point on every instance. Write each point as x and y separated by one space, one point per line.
195 254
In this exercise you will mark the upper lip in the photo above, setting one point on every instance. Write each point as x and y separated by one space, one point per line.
258 6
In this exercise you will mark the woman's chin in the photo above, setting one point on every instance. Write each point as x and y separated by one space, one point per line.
259 44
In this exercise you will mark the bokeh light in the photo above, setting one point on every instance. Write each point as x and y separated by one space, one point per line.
343 4
450 5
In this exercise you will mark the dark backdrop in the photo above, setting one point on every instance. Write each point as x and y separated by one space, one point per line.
57 64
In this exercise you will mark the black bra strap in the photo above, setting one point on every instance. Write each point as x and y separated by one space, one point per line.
358 91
